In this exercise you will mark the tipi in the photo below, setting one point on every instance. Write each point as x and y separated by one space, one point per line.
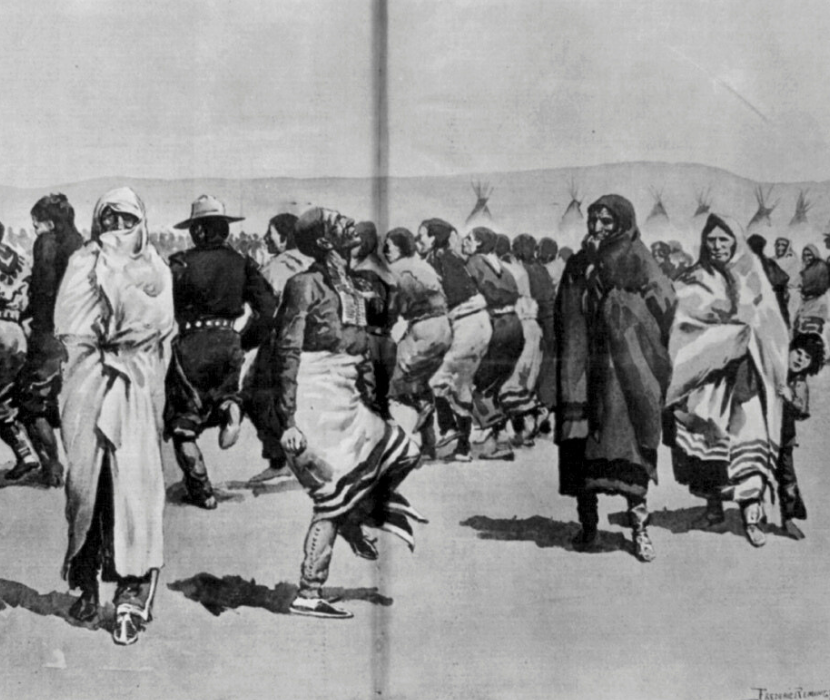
573 214
481 210
761 217
658 211
802 206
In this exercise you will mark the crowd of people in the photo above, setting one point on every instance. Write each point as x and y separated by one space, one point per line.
368 353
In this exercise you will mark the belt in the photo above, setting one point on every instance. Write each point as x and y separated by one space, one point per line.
503 311
10 315
203 324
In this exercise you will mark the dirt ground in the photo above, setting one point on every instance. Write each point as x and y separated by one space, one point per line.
493 603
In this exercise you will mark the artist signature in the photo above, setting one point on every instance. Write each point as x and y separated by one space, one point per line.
798 693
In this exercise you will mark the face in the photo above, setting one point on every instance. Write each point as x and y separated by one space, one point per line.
117 221
391 251
800 360
425 242
469 244
275 243
720 245
42 226
807 256
601 224
780 248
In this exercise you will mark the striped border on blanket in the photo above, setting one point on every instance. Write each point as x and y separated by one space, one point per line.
394 453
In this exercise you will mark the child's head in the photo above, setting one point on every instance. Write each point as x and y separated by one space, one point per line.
806 354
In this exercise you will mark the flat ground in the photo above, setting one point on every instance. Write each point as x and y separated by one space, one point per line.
492 604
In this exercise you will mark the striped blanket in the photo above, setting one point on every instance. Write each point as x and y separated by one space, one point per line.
354 460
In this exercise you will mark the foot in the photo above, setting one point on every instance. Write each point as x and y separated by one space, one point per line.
85 609
129 622
199 492
20 470
233 423
586 540
269 474
504 454
643 547
755 535
463 457
444 439
793 531
318 607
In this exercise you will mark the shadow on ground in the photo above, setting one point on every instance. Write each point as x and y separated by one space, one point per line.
231 491
54 604
32 480
680 521
218 595
544 532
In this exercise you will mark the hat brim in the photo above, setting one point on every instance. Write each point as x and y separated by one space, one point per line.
187 222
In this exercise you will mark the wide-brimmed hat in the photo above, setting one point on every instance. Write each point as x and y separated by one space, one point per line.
207 207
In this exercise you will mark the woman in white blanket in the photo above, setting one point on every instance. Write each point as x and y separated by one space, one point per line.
114 315
729 347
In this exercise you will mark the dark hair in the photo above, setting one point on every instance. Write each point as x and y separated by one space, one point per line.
486 239
439 230
404 240
57 209
547 250
502 245
284 225
713 222
2 230
813 345
524 247
757 243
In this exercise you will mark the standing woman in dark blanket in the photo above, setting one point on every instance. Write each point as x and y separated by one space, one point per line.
497 286
347 457
616 309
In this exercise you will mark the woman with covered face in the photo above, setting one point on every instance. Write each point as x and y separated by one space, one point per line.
349 459
499 289
114 316
729 346
616 308
418 299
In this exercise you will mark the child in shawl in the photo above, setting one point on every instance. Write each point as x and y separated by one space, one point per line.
806 359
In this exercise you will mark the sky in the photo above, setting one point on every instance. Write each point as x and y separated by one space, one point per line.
270 88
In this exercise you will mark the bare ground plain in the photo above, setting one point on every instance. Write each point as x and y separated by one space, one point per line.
492 604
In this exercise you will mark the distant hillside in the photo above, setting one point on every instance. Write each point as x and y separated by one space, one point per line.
532 201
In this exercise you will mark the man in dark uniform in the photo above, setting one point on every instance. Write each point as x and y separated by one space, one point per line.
212 283
39 382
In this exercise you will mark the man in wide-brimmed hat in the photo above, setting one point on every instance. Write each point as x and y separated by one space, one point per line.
212 284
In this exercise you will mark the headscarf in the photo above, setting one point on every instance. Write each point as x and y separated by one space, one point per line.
524 247
319 223
548 249
815 277
726 311
404 240
367 232
626 218
127 252
439 230
814 250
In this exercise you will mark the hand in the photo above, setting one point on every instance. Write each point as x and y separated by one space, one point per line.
293 441
785 393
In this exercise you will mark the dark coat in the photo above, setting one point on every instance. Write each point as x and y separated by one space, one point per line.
627 312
